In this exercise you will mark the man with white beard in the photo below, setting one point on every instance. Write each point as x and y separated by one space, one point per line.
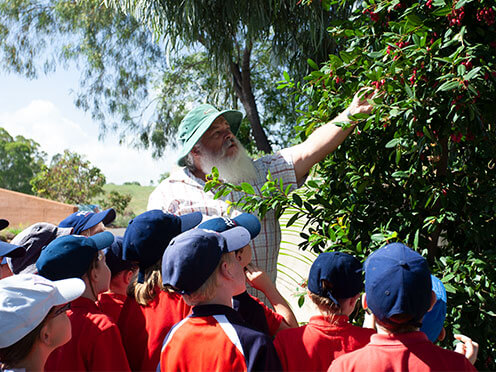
207 140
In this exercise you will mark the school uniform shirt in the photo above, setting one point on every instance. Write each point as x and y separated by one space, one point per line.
257 314
95 344
143 328
111 304
410 351
215 338
314 346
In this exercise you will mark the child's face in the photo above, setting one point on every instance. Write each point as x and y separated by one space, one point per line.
238 272
102 283
244 255
98 228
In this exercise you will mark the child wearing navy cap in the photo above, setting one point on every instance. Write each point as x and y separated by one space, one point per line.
335 283
398 291
251 309
33 320
96 342
150 310
121 274
202 266
88 223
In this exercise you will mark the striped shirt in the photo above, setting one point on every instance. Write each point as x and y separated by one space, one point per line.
183 193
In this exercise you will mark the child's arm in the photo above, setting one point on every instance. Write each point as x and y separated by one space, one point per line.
467 347
259 279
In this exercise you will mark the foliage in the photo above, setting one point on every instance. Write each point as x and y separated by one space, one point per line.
20 160
69 179
421 168
139 196
132 183
116 200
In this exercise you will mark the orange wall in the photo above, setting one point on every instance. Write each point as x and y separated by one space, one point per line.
23 209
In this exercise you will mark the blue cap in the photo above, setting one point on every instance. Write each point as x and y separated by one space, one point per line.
246 220
148 234
71 256
113 258
193 256
397 281
84 220
433 321
10 250
341 270
3 223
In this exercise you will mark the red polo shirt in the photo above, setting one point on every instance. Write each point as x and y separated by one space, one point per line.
401 352
143 328
95 345
111 304
314 346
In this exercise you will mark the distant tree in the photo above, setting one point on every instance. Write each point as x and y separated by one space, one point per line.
116 200
20 160
69 179
130 183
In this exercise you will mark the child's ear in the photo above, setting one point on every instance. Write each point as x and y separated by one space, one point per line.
364 302
238 255
442 335
128 276
433 300
45 335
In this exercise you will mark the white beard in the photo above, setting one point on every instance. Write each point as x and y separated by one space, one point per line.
234 169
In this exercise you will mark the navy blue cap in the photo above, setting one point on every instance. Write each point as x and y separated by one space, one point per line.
3 223
246 220
71 256
397 281
433 321
113 257
84 220
10 250
341 270
148 234
193 256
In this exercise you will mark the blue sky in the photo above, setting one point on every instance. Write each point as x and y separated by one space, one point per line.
43 110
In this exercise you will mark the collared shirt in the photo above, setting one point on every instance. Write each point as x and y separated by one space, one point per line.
215 338
111 304
314 346
183 193
95 344
410 351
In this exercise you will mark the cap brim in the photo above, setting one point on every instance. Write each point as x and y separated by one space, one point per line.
106 217
236 238
69 290
249 222
190 220
3 224
103 239
233 117
11 250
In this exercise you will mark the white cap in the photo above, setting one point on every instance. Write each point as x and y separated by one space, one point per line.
26 299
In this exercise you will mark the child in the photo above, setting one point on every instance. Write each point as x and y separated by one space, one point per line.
33 321
88 223
334 286
150 310
398 291
202 266
122 273
8 250
96 342
251 309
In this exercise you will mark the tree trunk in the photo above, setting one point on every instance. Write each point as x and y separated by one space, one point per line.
242 86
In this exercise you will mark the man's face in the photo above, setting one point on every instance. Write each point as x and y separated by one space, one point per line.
219 140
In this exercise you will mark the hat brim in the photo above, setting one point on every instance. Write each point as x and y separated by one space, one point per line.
103 239
11 250
106 217
233 117
3 224
68 290
190 220
236 238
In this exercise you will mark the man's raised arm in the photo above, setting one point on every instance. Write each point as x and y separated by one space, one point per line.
327 138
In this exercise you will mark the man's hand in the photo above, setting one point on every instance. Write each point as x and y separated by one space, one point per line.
467 347
258 278
360 105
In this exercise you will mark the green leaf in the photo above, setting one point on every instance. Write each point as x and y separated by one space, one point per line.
441 12
297 199
286 76
345 56
414 20
293 219
312 64
461 3
472 73
393 143
449 288
401 174
449 85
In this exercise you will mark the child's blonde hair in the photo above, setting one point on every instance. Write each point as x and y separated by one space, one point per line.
325 305
208 289
145 292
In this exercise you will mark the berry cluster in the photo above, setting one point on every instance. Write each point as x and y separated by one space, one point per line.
378 84
468 65
456 16
374 17
486 15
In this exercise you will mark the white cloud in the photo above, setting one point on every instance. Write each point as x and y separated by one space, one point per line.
42 121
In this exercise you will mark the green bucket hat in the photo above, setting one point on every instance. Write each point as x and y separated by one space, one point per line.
196 123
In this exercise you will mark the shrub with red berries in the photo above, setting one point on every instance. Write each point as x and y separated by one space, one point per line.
423 169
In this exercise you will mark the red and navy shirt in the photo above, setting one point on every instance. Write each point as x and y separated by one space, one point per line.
314 346
257 314
215 338
410 351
